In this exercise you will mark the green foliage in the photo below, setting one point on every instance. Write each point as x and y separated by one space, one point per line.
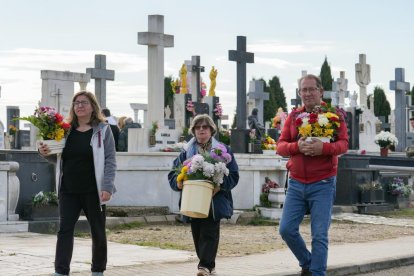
168 95
224 136
381 105
154 127
234 124
277 98
264 200
260 221
185 131
326 76
128 226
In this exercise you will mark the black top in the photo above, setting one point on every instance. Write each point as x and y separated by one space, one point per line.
78 169
115 133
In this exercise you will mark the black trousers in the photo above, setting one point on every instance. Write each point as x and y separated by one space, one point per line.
206 236
70 206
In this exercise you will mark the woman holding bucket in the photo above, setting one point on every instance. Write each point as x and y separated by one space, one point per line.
206 231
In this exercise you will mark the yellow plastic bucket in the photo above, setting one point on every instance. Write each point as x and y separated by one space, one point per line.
196 198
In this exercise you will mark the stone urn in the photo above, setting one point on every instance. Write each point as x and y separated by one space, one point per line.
277 197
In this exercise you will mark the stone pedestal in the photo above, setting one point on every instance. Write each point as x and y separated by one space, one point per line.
239 139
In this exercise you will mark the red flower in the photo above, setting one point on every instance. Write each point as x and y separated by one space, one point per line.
59 118
298 122
313 118
334 119
65 125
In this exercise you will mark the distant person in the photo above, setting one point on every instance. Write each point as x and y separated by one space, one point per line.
123 135
113 124
409 151
313 167
121 122
85 174
254 123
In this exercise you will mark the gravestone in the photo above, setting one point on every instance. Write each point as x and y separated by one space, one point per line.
239 136
367 132
196 69
353 100
100 74
165 137
352 123
297 102
181 115
341 86
400 86
58 89
13 112
136 107
256 93
156 41
363 78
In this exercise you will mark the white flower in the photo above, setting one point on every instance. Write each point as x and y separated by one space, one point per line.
208 169
305 121
197 162
322 120
385 138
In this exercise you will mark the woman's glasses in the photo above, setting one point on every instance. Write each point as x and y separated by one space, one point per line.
79 103
201 127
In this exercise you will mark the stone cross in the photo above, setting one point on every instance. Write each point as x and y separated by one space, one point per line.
241 57
363 78
156 41
256 93
298 101
341 86
101 75
56 93
196 82
400 86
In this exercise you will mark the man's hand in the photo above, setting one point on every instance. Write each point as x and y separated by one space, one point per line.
105 196
311 148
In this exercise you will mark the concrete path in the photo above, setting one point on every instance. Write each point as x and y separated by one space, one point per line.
33 254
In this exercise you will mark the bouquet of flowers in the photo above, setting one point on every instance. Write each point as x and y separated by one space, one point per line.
218 111
49 122
385 139
323 121
209 166
252 136
264 196
12 130
268 143
47 198
398 187
278 119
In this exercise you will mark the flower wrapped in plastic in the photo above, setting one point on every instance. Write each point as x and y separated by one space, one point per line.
385 139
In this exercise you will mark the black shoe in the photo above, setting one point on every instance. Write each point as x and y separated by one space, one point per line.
305 272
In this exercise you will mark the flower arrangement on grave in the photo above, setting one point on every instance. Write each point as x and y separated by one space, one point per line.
12 130
209 166
45 198
323 121
224 136
264 196
398 187
203 89
175 86
268 143
218 110
154 128
252 136
279 117
370 186
386 139
49 122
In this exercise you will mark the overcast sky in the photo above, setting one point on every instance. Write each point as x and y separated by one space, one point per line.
285 36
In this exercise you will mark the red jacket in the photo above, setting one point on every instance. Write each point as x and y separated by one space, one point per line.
308 169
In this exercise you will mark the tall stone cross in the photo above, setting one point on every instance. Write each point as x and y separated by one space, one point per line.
241 57
363 78
196 68
341 86
256 93
56 93
156 41
400 86
101 75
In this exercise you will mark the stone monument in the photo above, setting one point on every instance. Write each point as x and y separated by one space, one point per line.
256 93
363 78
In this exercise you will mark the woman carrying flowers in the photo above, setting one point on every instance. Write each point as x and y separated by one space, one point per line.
312 173
85 180
206 231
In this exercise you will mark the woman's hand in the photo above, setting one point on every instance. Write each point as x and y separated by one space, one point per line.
216 190
179 185
43 149
105 196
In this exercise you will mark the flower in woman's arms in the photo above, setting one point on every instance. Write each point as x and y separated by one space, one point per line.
49 122
386 139
323 121
209 166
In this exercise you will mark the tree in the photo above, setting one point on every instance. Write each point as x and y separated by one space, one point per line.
168 94
277 99
326 76
381 105
412 100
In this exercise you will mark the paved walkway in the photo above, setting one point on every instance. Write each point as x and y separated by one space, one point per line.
32 254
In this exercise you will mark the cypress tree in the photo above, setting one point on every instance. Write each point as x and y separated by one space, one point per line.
381 105
168 94
326 76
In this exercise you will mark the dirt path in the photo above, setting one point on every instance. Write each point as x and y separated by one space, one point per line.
237 240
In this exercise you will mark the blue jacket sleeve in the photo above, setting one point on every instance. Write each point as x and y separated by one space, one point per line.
230 181
172 175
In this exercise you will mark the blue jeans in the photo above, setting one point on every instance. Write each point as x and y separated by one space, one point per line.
318 198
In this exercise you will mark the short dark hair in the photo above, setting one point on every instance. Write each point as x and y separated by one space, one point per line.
106 112
412 119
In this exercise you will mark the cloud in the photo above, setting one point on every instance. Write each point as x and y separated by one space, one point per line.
278 63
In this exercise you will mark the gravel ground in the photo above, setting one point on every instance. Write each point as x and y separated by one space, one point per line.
238 240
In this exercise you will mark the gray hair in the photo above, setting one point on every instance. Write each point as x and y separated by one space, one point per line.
313 77
206 119
128 121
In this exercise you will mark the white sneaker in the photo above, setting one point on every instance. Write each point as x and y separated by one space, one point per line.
202 271
213 272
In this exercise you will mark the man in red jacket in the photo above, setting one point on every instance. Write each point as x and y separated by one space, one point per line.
312 179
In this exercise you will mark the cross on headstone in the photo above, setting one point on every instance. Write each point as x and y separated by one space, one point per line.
298 101
56 93
363 78
197 69
101 75
256 93
156 41
400 86
241 57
